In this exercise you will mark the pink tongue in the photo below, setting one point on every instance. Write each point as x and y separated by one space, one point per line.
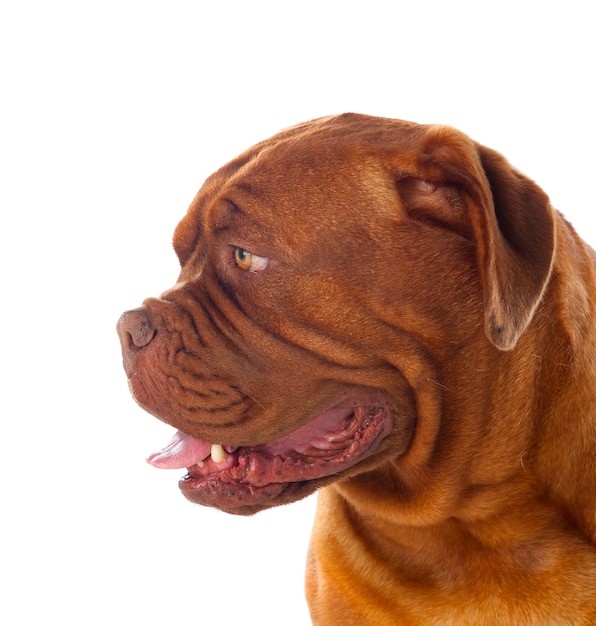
181 451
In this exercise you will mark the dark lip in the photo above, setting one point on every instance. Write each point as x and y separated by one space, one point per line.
262 476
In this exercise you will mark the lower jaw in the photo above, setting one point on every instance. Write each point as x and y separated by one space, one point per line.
244 499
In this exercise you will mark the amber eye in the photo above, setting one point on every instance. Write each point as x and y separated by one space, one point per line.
243 258
248 261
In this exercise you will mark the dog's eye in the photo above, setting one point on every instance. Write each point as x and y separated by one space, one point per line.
248 261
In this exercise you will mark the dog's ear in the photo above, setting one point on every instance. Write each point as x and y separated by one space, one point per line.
475 191
520 250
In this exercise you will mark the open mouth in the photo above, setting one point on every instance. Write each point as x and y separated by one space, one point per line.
245 479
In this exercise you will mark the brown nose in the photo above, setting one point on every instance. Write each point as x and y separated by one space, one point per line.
135 329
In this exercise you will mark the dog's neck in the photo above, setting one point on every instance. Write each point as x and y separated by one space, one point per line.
509 458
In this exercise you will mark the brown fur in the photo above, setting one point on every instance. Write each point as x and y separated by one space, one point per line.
410 259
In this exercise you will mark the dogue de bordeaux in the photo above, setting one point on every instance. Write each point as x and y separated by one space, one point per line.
390 314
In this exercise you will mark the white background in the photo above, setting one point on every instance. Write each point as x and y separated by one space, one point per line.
111 116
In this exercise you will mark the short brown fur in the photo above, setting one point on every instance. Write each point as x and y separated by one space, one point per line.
410 259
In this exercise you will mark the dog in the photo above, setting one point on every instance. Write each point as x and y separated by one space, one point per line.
391 314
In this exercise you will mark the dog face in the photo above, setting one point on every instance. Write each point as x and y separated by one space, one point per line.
330 276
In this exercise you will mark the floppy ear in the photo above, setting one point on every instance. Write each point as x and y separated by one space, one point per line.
508 217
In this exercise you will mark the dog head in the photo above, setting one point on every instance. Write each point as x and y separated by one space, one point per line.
330 276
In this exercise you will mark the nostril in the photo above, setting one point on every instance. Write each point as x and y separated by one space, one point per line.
135 328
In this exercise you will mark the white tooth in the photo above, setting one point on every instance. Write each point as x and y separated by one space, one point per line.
218 454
